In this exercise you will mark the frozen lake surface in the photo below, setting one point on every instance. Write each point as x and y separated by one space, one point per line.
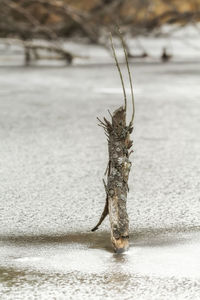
52 159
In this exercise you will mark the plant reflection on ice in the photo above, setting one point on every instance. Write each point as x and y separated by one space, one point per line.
156 252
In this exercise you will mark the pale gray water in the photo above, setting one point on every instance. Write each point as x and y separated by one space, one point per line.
52 158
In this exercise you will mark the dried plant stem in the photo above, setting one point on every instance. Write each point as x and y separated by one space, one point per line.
129 75
119 165
120 73
116 187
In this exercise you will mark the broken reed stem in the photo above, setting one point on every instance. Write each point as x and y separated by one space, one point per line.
119 165
117 171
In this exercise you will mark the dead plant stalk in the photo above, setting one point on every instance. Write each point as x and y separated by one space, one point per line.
119 165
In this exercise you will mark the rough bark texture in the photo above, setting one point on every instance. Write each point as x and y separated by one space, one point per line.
119 166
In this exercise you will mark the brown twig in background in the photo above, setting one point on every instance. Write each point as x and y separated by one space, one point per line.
52 20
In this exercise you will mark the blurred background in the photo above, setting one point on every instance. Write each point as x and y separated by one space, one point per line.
26 24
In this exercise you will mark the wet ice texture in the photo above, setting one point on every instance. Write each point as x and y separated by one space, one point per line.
78 266
53 155
52 158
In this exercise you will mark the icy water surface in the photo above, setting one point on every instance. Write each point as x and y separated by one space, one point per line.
52 158
80 265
